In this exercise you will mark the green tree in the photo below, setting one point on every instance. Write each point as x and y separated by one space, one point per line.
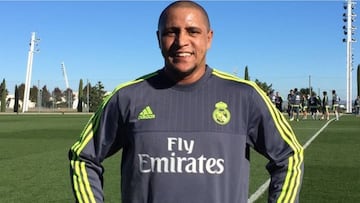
97 94
16 105
57 95
264 86
69 97
34 93
246 77
358 80
3 96
21 89
80 97
46 97
305 91
86 91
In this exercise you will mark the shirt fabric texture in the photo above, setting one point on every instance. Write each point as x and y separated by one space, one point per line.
187 143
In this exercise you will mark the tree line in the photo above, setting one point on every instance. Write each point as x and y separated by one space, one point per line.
89 96
92 96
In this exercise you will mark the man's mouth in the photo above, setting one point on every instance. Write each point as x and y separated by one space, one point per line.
183 54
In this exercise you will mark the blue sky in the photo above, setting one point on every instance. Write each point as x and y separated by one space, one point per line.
281 42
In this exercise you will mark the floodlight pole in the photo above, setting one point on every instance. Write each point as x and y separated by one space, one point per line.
88 95
28 73
348 58
350 17
310 90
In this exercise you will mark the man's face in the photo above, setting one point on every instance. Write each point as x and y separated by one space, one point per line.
184 39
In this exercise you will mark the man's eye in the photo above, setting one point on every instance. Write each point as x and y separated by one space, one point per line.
193 31
169 33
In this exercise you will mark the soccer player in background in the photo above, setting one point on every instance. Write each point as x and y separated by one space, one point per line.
357 105
295 105
305 104
335 104
185 130
290 102
278 101
325 106
313 105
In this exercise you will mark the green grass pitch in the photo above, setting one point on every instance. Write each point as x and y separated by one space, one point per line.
34 165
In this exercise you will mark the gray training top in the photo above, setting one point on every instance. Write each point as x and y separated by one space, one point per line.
187 143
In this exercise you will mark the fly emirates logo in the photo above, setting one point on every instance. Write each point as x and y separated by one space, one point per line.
180 164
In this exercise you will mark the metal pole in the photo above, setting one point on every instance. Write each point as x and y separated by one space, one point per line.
53 100
350 17
69 98
28 73
310 85
348 58
39 97
87 95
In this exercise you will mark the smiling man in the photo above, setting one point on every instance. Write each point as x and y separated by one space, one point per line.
186 129
184 41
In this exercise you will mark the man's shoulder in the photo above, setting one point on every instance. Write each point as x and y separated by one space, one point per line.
138 82
231 77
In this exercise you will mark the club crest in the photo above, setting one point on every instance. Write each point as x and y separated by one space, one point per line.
221 114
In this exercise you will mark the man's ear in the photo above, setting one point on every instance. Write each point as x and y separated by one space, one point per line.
210 37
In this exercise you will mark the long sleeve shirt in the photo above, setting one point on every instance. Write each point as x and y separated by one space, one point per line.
187 143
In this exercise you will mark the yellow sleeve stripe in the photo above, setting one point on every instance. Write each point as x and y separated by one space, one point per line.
75 182
293 176
287 179
82 190
86 182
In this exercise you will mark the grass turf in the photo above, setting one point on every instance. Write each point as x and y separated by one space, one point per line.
332 167
331 172
33 155
34 165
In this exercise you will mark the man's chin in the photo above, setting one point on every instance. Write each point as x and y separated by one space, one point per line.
180 72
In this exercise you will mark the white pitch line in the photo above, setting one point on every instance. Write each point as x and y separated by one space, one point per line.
317 133
265 186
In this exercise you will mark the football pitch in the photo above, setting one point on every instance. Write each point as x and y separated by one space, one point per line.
34 165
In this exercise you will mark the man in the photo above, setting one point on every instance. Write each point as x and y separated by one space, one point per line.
272 96
314 105
304 103
278 101
185 130
325 106
357 105
290 102
335 104
295 105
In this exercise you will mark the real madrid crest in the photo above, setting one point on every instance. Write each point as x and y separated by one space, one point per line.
221 114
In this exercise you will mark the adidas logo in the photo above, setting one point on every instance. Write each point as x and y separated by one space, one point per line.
146 113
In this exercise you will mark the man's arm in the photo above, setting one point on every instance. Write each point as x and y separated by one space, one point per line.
271 135
98 140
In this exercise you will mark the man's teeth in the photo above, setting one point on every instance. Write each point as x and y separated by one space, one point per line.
183 54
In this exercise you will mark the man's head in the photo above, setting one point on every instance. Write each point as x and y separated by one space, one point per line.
184 36
183 4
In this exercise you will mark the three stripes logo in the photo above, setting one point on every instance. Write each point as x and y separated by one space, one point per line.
146 113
